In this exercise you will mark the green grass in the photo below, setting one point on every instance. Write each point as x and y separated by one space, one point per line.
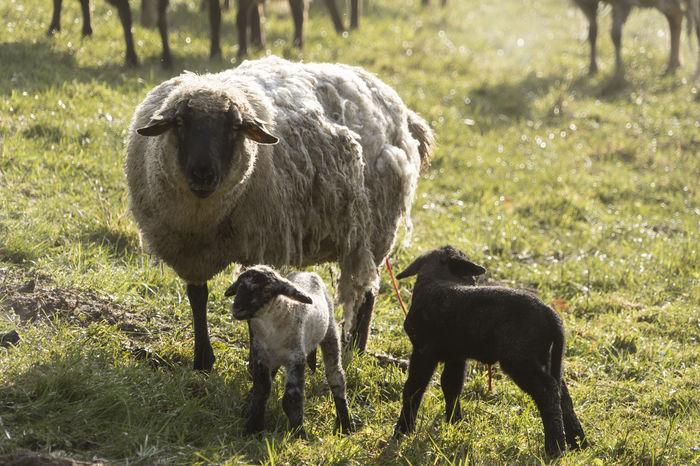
549 178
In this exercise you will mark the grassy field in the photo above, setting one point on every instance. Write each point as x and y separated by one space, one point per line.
553 180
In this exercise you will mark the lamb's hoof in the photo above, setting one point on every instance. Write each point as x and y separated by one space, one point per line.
166 61
132 60
215 53
300 433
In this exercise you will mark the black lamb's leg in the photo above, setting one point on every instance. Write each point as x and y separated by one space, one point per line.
56 18
420 370
203 352
363 321
575 437
87 21
451 382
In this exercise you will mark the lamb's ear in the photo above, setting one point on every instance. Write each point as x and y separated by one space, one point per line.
292 292
255 129
460 266
162 122
412 268
232 290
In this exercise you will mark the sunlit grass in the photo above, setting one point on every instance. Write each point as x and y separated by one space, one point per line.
551 179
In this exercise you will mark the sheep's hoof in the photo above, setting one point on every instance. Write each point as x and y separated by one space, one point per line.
131 59
204 360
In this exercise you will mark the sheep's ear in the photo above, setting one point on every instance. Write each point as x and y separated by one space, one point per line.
255 129
462 267
292 292
164 121
412 269
232 290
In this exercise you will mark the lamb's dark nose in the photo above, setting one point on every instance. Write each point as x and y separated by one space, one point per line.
203 181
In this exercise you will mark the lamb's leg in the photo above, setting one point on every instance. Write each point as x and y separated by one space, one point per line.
125 18
87 21
620 12
297 7
544 390
335 16
56 18
203 352
262 385
214 28
575 437
420 370
675 25
166 57
293 398
452 381
330 349
590 9
363 320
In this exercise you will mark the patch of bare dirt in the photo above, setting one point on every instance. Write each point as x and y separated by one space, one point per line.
33 297
29 458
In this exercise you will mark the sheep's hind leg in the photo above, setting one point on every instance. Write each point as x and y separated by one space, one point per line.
575 436
330 349
451 381
363 321
203 352
544 390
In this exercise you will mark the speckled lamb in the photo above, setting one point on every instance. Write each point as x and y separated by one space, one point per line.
288 319
275 163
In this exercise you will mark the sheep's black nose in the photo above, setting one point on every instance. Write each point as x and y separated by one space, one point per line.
203 181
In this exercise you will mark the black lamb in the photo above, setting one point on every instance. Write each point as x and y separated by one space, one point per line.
451 320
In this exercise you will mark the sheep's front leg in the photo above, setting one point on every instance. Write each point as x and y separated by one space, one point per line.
262 385
452 381
203 352
590 9
214 28
330 348
293 399
420 369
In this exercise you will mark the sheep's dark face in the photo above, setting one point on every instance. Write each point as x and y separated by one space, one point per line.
256 287
444 263
206 141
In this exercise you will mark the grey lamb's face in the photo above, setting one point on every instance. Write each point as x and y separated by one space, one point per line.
206 140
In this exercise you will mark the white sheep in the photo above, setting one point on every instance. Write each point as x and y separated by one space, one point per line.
288 319
275 163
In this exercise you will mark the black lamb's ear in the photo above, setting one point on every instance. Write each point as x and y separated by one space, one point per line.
255 129
412 268
289 290
464 267
164 121
232 290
